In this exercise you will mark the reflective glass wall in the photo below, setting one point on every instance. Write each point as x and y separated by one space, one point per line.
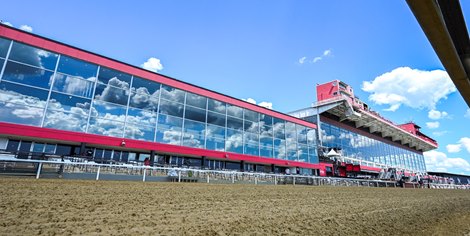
361 147
45 89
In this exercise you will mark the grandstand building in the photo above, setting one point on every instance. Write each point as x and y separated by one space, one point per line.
57 99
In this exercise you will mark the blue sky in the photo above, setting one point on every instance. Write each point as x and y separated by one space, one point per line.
275 52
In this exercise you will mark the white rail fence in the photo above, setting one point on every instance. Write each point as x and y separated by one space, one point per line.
96 171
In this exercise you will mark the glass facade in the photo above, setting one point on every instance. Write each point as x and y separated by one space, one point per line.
363 148
45 89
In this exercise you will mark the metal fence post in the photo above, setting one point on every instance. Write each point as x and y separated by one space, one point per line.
256 179
179 176
293 180
145 173
98 173
275 180
233 178
207 174
39 170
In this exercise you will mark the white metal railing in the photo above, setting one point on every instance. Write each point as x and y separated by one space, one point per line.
176 174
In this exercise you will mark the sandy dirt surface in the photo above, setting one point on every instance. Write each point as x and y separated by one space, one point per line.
70 207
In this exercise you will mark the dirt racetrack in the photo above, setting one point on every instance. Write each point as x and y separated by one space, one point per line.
66 207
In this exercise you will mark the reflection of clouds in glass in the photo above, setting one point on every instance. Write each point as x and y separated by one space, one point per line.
106 127
21 99
77 108
193 140
172 94
140 132
311 136
325 137
141 116
74 121
253 128
108 111
20 114
234 141
217 106
74 85
235 111
357 141
116 91
33 56
172 137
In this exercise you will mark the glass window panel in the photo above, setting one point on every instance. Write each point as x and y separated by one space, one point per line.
290 130
145 86
71 103
77 68
215 144
124 156
171 108
144 101
251 149
13 145
50 148
311 136
111 94
1 63
215 131
138 116
27 75
234 141
172 94
140 132
106 127
251 115
279 148
234 111
216 106
193 134
108 111
4 45
65 150
20 114
251 127
107 155
98 154
291 149
73 85
266 119
38 147
216 118
251 139
266 151
302 152
196 114
196 100
14 93
266 130
114 78
33 56
169 129
65 121
279 130
234 123
301 134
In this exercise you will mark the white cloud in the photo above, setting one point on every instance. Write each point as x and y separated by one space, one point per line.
432 125
467 114
326 53
153 64
7 23
463 143
439 133
436 115
410 87
26 28
453 148
316 59
438 161
268 105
